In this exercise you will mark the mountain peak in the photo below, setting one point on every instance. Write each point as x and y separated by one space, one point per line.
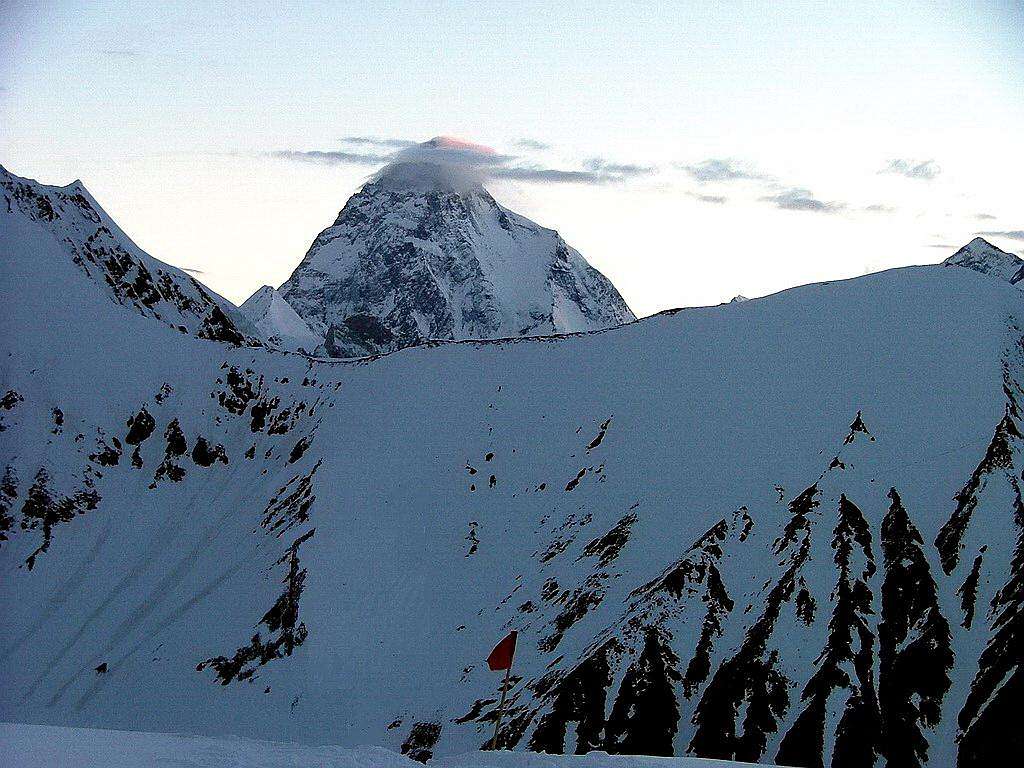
424 252
981 256
278 323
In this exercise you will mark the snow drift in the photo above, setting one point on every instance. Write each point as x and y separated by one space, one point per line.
34 746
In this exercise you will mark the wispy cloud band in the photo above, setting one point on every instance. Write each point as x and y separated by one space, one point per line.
800 199
912 169
1009 234
485 162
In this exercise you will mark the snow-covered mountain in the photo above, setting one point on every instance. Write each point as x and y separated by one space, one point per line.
424 252
278 323
981 256
33 214
786 530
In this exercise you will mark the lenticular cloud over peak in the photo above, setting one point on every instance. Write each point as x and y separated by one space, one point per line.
443 161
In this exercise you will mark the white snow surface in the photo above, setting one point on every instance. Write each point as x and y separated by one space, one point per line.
41 746
278 323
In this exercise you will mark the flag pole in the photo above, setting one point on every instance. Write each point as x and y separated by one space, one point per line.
501 706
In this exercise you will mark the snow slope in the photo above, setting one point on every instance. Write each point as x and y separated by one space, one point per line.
117 267
418 253
36 746
782 530
278 323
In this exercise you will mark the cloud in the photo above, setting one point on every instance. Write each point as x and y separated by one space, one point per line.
1009 234
799 199
601 166
452 151
461 163
879 208
714 199
379 141
551 175
714 169
531 144
984 216
331 157
913 169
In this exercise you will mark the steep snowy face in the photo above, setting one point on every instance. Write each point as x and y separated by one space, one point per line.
35 214
423 252
278 323
981 256
786 530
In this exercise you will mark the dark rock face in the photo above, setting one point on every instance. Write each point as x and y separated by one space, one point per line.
403 265
44 509
140 427
580 697
419 745
845 664
915 653
204 454
645 716
281 621
989 719
359 335
177 446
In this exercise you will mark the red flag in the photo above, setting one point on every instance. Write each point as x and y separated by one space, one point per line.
501 656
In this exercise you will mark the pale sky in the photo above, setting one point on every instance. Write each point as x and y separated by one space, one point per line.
690 151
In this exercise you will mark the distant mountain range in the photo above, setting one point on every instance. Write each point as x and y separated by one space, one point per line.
788 529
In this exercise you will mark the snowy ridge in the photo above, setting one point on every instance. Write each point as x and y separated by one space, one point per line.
88 237
421 253
278 323
981 256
